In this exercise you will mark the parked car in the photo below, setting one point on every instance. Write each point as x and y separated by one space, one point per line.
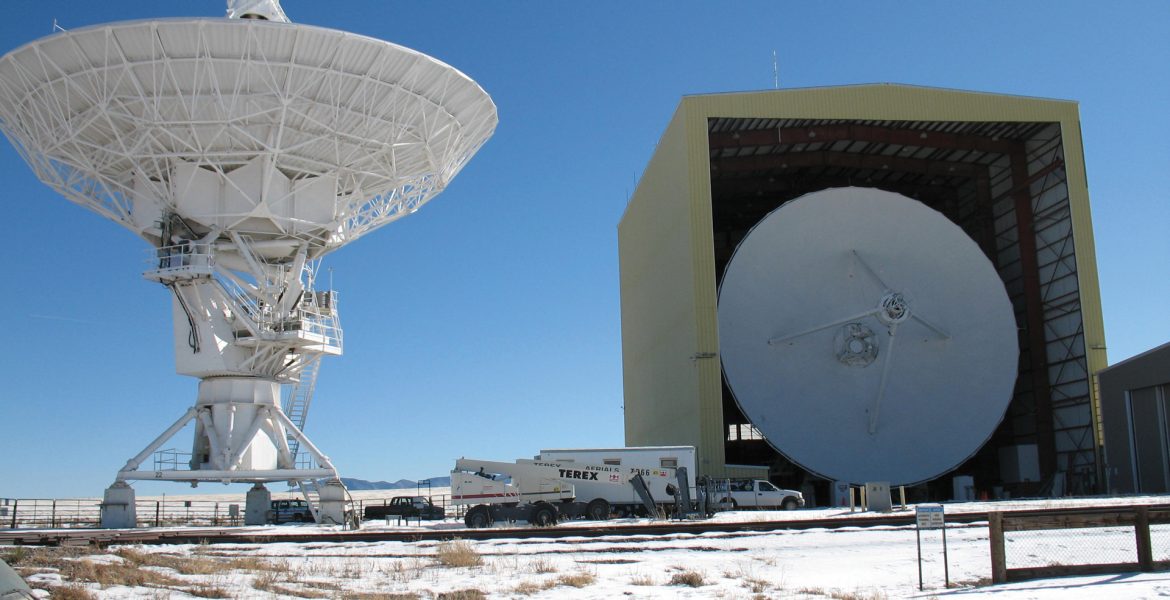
757 493
415 507
285 511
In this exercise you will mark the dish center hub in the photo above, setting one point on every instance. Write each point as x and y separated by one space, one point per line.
893 308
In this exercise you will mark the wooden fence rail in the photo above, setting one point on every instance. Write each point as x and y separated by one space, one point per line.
1138 517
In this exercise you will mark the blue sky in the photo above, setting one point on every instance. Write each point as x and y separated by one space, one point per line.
488 324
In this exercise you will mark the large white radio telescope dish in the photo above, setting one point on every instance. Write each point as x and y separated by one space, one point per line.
270 129
242 149
867 336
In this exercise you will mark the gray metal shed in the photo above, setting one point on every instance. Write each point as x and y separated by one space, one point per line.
1134 395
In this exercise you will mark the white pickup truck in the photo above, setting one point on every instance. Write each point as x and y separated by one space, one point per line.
757 493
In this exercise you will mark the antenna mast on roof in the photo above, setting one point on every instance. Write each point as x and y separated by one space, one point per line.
775 72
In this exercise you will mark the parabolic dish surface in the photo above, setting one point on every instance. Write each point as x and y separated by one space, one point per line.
349 132
867 336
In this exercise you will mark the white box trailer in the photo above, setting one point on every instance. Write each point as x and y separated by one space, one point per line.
656 465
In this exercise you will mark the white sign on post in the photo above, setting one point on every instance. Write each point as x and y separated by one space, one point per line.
930 516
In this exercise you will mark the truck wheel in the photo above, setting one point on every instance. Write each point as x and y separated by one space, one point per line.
789 504
477 517
543 515
598 509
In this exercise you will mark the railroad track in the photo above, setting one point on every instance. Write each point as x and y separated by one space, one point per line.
60 537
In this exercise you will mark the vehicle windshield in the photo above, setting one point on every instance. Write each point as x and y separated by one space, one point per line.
767 487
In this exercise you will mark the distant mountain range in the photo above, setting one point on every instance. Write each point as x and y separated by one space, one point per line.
402 484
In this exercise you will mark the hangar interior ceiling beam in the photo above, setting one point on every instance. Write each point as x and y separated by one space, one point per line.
828 158
851 132
771 186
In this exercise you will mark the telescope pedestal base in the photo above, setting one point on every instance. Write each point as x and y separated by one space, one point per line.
118 510
257 504
332 508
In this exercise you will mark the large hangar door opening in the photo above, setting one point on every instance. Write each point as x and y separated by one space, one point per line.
851 321
1004 184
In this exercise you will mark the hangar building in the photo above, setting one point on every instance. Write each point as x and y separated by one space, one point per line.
1008 170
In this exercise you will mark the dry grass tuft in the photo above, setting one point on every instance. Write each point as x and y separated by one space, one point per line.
70 592
266 583
690 578
69 562
528 588
43 557
208 591
767 560
844 595
322 585
198 565
541 566
468 594
257 564
404 570
131 567
458 554
352 569
377 596
577 580
14 556
300 592
126 574
279 584
642 580
755 585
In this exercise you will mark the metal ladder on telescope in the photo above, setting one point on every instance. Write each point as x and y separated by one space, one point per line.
296 406
308 489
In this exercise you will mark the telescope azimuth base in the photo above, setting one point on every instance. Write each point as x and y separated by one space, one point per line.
237 439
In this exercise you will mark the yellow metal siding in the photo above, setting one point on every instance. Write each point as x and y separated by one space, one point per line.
657 299
710 450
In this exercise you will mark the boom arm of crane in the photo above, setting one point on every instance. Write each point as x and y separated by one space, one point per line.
482 482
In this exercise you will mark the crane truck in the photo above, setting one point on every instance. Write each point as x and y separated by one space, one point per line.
565 484
535 491
657 465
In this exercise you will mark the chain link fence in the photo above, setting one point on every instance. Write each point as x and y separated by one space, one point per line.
48 513
41 513
1080 546
1085 541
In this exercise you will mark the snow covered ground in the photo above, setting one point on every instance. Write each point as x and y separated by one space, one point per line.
859 563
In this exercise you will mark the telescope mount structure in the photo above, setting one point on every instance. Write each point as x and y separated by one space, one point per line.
243 150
